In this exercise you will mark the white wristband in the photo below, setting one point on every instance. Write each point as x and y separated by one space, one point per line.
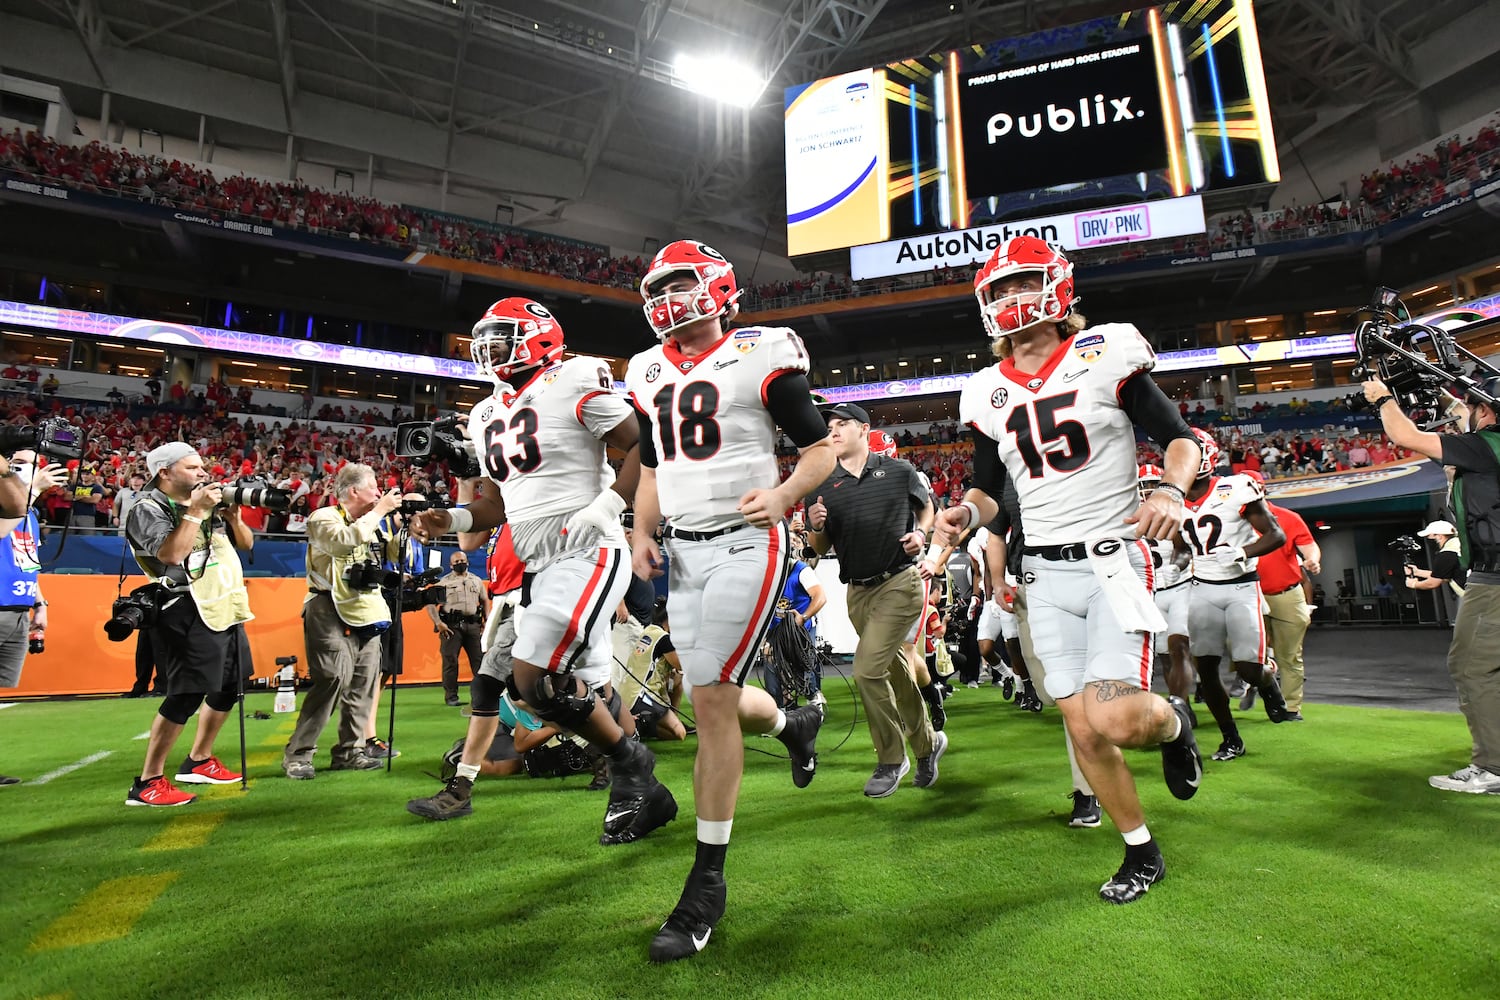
194 518
973 514
934 553
461 518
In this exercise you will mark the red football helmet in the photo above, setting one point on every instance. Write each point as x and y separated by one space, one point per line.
716 293
1147 477
515 334
1004 315
882 443
1210 452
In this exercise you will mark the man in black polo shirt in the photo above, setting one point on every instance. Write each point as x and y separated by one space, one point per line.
876 513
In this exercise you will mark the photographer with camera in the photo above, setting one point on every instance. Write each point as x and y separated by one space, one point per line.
183 536
23 620
343 620
1473 655
459 620
1447 565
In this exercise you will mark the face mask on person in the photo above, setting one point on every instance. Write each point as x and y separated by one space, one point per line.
460 568
23 471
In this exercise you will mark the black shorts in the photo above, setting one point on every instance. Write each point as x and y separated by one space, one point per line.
648 712
193 657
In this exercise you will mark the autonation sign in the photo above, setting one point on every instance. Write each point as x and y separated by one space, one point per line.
1150 220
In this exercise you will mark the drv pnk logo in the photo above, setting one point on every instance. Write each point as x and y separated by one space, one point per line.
1061 120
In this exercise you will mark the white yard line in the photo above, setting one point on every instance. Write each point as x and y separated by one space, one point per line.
144 736
70 768
9 704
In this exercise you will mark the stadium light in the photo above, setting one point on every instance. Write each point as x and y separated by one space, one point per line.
725 80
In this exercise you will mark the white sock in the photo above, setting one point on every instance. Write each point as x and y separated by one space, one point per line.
470 771
1138 836
775 730
1177 729
717 831
1080 783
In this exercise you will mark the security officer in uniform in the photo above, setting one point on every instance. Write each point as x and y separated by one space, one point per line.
876 512
460 621
1473 656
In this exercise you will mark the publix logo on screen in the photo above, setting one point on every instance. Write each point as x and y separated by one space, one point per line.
1090 114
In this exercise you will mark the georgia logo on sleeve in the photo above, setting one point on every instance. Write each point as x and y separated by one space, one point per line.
998 397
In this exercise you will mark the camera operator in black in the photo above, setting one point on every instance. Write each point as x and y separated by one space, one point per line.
1474 656
460 621
184 540
343 621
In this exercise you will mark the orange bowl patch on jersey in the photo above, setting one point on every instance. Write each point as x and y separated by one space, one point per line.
746 341
1090 348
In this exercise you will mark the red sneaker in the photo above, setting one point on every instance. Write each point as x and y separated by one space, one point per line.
205 772
157 792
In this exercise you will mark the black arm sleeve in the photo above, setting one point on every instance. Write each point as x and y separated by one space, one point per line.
648 443
989 471
1150 409
789 401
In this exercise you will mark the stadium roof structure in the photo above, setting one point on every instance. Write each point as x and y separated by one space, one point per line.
578 111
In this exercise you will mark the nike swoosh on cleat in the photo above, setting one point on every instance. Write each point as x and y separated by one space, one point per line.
698 942
611 816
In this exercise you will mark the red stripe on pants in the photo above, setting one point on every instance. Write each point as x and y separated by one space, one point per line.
767 584
571 632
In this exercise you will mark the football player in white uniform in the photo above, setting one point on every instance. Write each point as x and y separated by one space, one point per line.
541 437
1227 526
709 400
1174 572
1057 416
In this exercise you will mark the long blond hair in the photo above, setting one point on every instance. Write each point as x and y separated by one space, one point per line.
1070 324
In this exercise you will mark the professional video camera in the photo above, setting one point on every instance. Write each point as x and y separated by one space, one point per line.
410 507
420 592
370 575
136 610
1417 362
255 493
53 437
439 439
1407 546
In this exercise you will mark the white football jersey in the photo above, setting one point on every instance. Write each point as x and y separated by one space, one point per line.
1215 525
543 443
1065 442
1165 570
714 438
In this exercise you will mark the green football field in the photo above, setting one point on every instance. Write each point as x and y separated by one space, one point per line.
1320 865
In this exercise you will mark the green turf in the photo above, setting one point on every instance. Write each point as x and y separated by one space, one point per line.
1320 865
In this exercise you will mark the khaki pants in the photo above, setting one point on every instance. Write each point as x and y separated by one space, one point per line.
345 672
1287 622
882 615
1474 663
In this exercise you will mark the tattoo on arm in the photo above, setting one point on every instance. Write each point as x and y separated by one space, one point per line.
1110 690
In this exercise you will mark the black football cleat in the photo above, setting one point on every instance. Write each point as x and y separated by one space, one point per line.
657 809
1181 763
800 737
630 781
1271 697
1230 749
691 924
1133 880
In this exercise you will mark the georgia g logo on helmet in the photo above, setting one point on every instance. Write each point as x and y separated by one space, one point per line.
515 334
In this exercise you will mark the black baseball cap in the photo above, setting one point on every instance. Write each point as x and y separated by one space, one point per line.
848 411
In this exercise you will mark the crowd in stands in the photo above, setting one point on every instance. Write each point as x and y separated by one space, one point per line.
105 169
291 455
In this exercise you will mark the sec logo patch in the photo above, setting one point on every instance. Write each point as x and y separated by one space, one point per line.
998 397
653 373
